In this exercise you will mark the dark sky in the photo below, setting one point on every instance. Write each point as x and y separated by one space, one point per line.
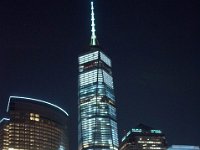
154 46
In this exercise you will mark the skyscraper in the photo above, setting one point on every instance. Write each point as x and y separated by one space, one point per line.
97 126
34 125
143 137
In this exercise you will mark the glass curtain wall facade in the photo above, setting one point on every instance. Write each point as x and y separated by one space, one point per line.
97 111
34 125
143 137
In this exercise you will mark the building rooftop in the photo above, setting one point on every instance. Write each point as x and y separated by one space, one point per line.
19 98
142 129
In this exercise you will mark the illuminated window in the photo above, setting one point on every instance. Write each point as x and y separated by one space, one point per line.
34 117
88 57
105 59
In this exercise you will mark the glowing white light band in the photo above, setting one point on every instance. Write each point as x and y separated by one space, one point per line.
93 37
7 119
37 100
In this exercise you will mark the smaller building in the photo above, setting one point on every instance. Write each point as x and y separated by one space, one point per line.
183 147
34 124
143 137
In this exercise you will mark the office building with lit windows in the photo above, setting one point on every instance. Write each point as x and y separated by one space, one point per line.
33 124
97 126
143 137
183 147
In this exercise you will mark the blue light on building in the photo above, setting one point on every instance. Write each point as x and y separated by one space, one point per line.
97 126
183 147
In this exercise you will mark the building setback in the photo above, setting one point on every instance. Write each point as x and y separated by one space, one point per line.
97 126
33 125
143 137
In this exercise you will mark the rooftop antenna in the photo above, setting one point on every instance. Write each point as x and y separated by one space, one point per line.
93 37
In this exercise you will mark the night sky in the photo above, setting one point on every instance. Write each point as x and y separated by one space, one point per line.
154 46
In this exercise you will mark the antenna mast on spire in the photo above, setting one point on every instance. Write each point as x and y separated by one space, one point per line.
93 37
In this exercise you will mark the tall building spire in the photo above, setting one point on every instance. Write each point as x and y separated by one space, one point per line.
93 36
97 120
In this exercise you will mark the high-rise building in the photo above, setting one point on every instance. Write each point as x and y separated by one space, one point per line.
97 126
33 125
183 147
143 137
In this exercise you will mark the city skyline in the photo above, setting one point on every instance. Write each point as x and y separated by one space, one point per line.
153 46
